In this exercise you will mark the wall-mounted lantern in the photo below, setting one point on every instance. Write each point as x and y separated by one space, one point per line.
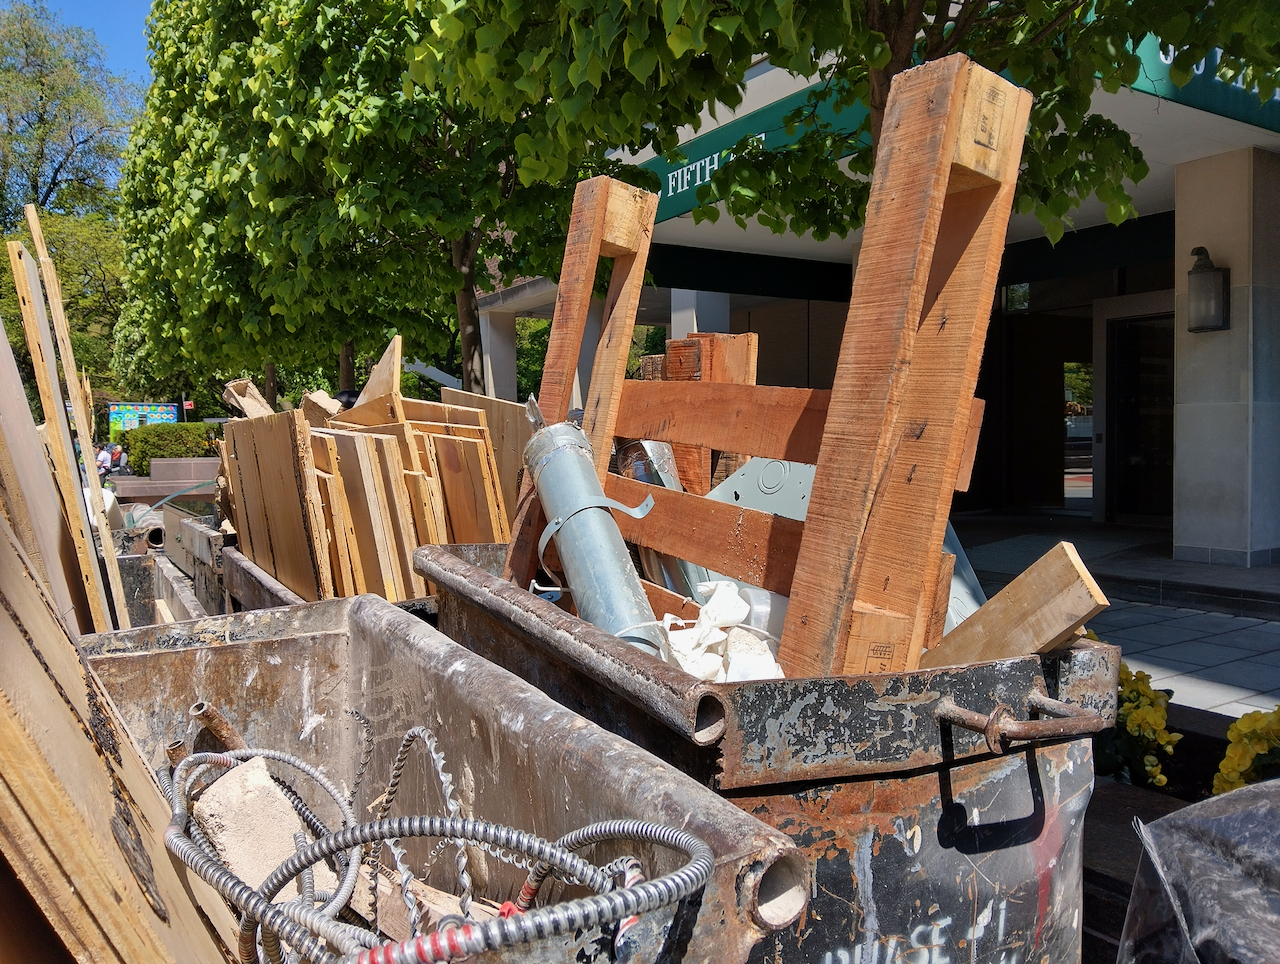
1208 294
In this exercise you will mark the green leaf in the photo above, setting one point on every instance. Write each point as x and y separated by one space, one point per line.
680 40
641 63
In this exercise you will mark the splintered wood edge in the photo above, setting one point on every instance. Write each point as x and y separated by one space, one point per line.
624 220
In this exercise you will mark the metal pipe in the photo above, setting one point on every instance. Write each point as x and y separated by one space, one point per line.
212 719
605 586
654 463
176 752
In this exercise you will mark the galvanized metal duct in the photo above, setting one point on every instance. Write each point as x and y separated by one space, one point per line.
605 586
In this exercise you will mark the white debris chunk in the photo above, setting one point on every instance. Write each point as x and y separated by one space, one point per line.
250 823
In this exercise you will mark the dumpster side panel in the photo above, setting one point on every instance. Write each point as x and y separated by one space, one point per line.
517 757
979 862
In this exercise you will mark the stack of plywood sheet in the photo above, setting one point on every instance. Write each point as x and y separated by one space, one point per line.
335 506
49 486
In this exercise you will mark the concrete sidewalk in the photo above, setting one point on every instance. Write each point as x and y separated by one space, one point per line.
1209 633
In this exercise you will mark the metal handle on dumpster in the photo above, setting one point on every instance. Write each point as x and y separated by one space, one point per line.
1001 728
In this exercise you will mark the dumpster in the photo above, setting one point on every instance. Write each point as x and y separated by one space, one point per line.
286 678
941 811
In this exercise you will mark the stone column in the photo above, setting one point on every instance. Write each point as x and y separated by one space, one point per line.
498 338
698 311
1226 475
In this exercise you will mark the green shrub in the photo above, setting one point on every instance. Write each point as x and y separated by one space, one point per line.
181 440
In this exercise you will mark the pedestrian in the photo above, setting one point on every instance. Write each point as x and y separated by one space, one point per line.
103 458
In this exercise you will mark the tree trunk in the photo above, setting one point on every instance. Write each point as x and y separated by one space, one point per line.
269 383
347 367
464 260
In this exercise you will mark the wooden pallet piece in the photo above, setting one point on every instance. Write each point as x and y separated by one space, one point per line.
66 473
1036 613
35 503
81 815
509 431
926 275
593 230
385 377
381 410
403 527
418 410
243 394
231 473
291 498
83 412
357 466
490 476
424 517
324 451
317 408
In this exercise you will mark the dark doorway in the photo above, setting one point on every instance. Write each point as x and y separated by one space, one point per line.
1140 419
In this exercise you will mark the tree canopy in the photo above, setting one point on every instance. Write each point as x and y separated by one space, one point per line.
633 73
64 116
286 190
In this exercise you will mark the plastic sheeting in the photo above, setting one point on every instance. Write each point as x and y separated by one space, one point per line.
1207 889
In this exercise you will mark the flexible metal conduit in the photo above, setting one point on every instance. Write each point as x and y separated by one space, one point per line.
311 932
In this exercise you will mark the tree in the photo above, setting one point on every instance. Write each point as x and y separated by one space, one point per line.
63 116
630 74
286 190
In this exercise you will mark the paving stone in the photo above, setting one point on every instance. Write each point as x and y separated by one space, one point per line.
1159 669
1245 672
1161 634
1202 653
1201 693
1251 639
1127 617
1214 622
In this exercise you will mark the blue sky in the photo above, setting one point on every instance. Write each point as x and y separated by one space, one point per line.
121 29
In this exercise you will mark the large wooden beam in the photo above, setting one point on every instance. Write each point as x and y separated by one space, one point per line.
1037 612
615 220
940 200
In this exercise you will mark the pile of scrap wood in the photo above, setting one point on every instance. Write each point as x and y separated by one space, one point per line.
333 503
865 575
53 502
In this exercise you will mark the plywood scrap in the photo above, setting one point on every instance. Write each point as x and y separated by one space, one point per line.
281 501
509 432
472 498
403 527
342 534
1036 613
380 410
318 408
385 377
366 502
241 393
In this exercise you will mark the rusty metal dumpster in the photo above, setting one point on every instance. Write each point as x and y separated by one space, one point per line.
286 677
941 811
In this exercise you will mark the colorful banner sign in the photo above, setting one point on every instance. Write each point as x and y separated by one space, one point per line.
127 415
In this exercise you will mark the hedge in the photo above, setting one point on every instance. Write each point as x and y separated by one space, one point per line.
180 440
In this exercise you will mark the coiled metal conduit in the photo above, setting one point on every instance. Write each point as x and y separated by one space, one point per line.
311 932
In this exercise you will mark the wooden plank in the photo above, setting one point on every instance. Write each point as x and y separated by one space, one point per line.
231 472
430 533
902 545
318 408
325 453
400 514
662 600
685 364
755 547
902 272
568 324
243 394
403 433
417 410
358 469
66 473
376 411
509 431
252 531
385 377
970 450
469 491
82 803
291 499
34 499
600 409
83 413
941 602
339 554
1037 612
